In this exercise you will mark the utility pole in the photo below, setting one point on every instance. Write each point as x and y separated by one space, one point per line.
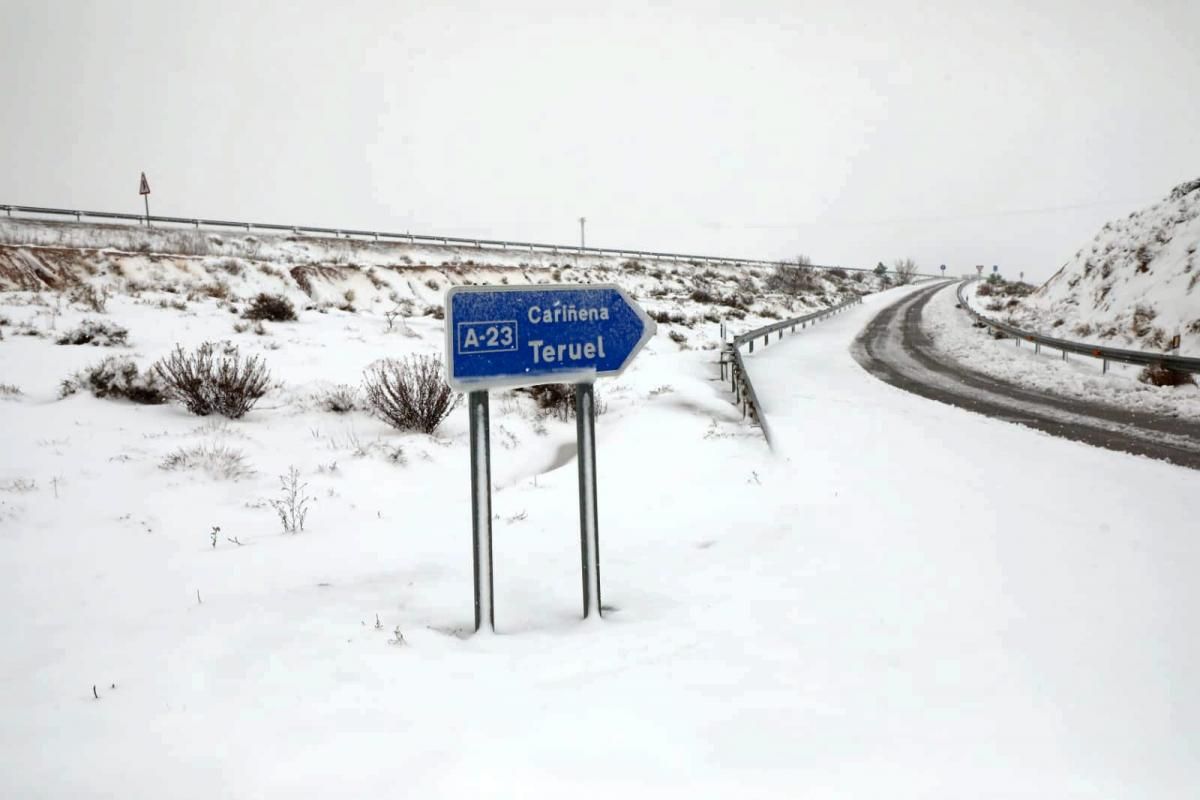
582 222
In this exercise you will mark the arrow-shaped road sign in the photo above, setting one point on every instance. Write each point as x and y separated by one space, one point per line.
525 335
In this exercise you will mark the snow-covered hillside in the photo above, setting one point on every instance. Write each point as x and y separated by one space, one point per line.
325 273
1137 284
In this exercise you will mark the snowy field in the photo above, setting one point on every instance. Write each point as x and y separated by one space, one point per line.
1079 377
907 601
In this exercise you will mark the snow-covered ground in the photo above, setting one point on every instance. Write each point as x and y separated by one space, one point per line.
1079 377
911 601
1136 285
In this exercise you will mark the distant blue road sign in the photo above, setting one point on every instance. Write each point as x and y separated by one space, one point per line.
525 335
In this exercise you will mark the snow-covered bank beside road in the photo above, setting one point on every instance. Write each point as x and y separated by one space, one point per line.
997 608
1079 377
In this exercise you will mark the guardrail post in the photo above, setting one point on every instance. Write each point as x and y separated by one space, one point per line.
751 345
1104 370
1064 355
1037 347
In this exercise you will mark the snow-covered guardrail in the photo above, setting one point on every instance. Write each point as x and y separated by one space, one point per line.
1105 354
743 387
411 238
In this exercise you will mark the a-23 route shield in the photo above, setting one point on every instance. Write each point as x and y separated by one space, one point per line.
524 335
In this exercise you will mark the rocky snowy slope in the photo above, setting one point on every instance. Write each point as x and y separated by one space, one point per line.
1136 285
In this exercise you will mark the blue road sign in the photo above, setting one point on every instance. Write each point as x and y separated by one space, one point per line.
525 335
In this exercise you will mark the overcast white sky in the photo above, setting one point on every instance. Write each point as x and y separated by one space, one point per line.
952 132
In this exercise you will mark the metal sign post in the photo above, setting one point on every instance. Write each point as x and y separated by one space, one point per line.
508 336
589 524
144 191
481 508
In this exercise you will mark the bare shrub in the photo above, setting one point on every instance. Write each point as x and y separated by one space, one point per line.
207 383
558 399
95 333
838 272
409 394
1161 375
678 338
217 290
1142 317
905 269
793 280
216 460
9 390
341 399
90 297
292 505
703 296
116 377
983 289
271 307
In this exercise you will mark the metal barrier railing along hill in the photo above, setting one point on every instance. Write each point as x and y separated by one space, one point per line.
34 212
1065 346
743 387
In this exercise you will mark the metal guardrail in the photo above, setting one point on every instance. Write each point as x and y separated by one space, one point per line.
410 238
743 387
1105 354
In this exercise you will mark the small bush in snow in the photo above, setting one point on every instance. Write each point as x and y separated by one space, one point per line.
410 395
703 296
116 377
271 307
218 461
1160 375
341 399
983 289
95 333
292 505
838 272
678 337
90 297
8 390
207 383
558 399
792 280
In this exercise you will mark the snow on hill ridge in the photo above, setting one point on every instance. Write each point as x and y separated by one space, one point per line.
1137 284
355 274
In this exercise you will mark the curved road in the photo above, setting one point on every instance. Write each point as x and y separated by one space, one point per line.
895 348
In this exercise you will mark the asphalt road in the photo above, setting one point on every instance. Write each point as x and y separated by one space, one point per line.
895 348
